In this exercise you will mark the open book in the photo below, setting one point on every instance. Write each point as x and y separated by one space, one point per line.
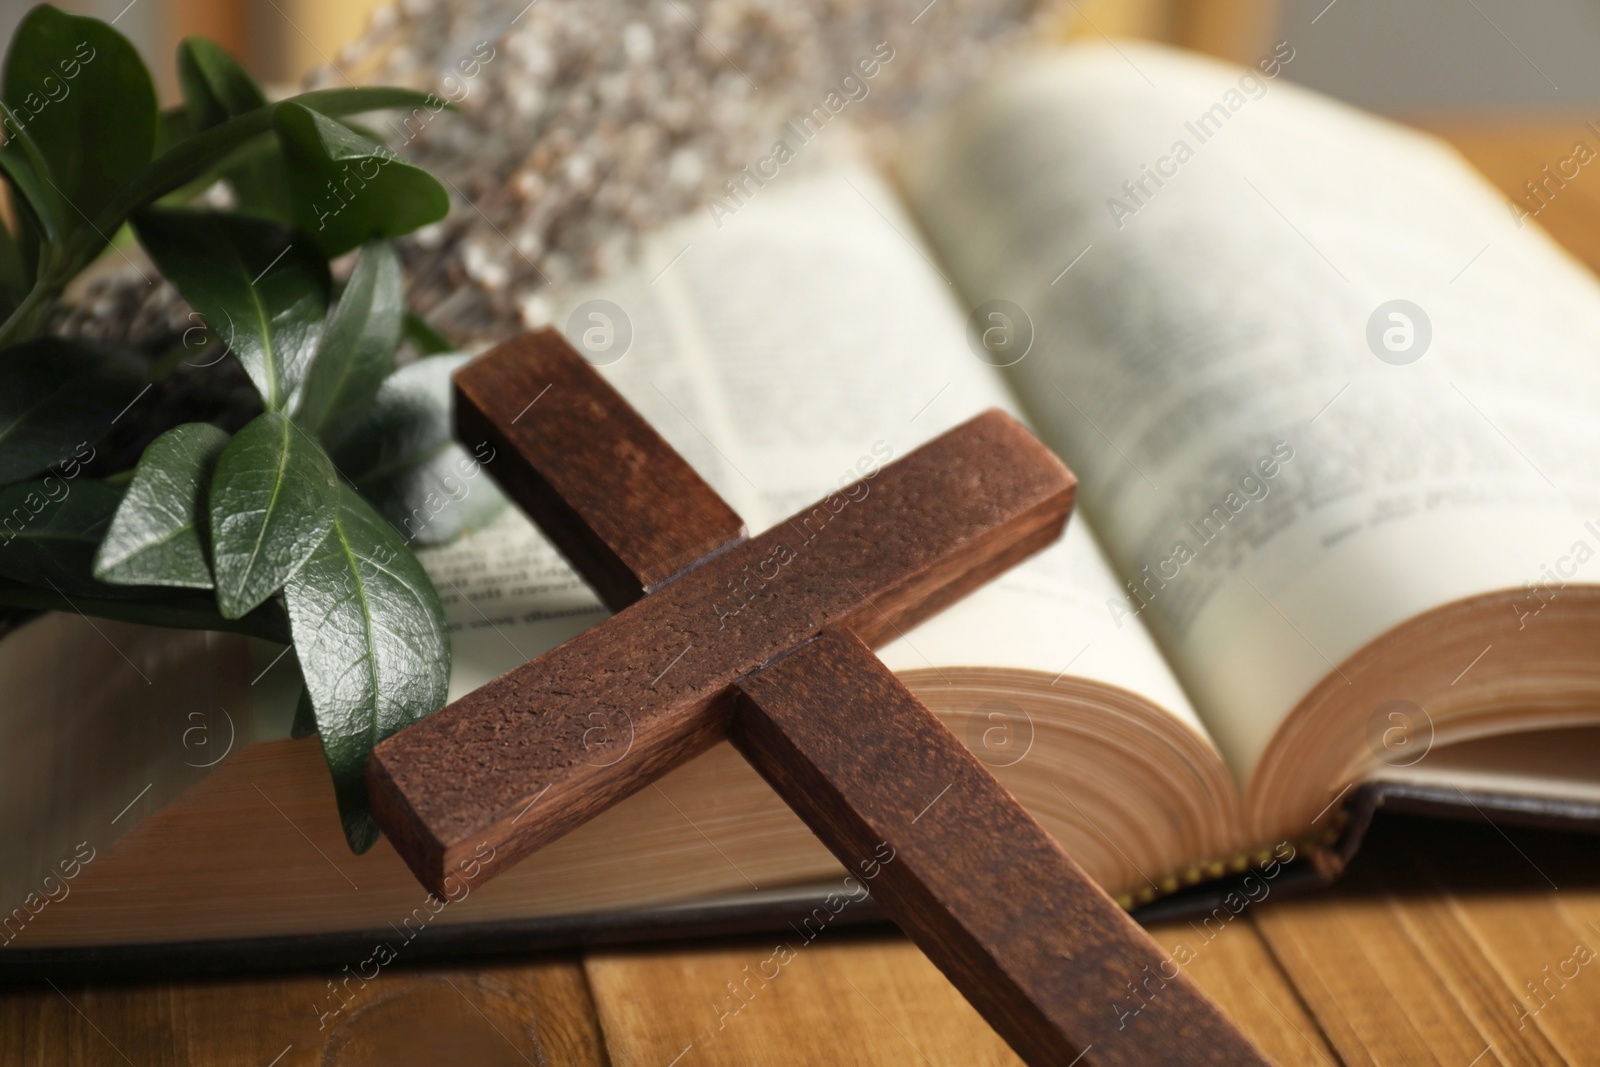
1336 415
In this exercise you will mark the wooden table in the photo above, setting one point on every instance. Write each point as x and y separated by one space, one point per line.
1430 951
1419 956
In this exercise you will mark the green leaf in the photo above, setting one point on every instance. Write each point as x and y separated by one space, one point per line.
81 91
273 500
23 165
259 182
347 188
57 398
49 531
192 157
215 88
371 640
403 457
178 611
424 338
356 352
172 126
263 289
362 99
155 536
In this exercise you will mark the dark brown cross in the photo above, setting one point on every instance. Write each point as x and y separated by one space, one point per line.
767 642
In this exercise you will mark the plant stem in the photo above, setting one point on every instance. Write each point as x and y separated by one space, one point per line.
25 321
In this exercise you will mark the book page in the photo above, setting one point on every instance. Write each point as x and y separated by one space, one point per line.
786 350
1554 764
1314 374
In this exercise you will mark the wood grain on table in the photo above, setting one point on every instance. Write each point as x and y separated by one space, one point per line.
1453 944
1450 944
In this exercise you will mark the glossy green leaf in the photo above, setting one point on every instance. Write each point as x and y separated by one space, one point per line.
57 398
82 93
193 157
49 530
371 640
215 88
259 182
155 537
261 288
424 338
175 610
273 499
403 457
356 352
347 188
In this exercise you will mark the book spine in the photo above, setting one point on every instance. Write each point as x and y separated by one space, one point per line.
1266 860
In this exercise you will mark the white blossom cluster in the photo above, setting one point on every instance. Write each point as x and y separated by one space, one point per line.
579 125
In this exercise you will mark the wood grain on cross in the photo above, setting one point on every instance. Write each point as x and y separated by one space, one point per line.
765 641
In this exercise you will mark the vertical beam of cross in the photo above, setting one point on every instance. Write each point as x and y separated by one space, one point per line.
1036 946
624 508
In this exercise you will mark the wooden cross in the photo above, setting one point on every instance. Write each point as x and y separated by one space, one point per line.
766 642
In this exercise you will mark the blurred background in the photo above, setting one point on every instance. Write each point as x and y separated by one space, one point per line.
592 90
1396 56
278 40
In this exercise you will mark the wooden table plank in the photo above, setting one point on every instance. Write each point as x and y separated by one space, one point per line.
1425 951
854 999
1537 946
849 1001
538 1013
1467 964
1369 984
1233 964
1518 920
